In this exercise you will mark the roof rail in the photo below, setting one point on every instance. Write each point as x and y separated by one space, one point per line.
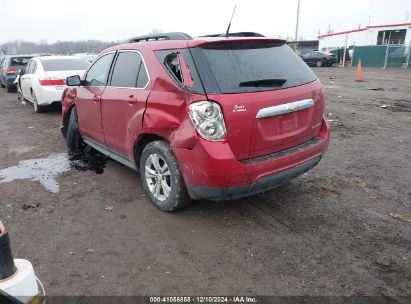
239 34
164 36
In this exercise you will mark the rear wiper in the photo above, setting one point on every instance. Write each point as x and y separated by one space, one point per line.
263 81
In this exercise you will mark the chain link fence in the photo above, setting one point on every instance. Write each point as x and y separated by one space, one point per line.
383 56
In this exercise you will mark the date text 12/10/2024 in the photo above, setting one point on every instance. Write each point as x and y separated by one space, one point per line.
203 299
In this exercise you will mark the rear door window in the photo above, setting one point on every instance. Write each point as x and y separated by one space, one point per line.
31 67
34 68
142 76
238 69
97 75
126 70
27 69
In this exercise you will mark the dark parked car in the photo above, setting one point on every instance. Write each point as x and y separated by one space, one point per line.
9 68
206 118
319 59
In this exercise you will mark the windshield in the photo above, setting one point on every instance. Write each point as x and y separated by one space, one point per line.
65 64
238 69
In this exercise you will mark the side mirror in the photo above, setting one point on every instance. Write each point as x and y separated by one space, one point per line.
73 81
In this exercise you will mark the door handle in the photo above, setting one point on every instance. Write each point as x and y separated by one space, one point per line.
96 98
131 100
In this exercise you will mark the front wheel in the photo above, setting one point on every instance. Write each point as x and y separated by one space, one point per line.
74 140
161 177
319 63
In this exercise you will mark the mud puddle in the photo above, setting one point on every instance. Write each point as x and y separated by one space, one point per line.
90 161
42 170
45 170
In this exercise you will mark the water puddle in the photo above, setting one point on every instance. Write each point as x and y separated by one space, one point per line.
42 170
45 170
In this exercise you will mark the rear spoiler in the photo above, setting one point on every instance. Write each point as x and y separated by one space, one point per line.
238 34
234 41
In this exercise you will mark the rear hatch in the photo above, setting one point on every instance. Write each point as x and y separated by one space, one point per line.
17 63
271 100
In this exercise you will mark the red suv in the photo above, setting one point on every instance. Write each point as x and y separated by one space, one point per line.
208 118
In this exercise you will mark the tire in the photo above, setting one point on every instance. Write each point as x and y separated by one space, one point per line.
165 172
74 140
19 96
319 63
9 89
37 108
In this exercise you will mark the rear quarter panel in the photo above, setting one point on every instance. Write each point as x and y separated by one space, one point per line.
167 112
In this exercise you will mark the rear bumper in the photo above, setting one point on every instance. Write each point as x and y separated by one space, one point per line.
263 184
211 171
9 81
48 95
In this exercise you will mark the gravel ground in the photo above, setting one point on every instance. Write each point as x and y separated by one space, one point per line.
340 229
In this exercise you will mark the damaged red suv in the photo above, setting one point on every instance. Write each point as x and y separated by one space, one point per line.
211 118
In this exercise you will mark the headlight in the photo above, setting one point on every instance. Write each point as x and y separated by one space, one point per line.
208 120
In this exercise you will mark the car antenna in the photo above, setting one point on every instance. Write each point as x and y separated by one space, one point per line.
229 25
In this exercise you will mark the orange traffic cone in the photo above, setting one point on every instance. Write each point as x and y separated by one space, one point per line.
359 71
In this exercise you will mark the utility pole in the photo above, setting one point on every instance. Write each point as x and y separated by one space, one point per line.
298 17
345 49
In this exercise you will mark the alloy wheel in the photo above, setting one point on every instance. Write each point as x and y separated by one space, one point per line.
158 177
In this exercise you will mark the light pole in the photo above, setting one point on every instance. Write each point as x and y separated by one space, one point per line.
298 17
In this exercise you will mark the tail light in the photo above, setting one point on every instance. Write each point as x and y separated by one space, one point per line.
11 71
208 119
51 82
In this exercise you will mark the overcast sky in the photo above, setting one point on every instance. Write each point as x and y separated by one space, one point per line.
54 20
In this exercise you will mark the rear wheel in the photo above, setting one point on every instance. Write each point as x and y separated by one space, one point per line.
319 63
74 140
9 89
37 108
161 177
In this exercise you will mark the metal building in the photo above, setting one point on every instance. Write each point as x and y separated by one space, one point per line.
398 34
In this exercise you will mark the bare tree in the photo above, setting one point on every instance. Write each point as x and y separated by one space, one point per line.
59 47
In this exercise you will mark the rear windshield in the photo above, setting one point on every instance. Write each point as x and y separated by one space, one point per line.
19 61
238 69
65 64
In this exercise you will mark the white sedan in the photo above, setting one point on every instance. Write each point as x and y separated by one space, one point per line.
44 79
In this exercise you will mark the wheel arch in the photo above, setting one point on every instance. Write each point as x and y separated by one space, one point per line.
142 141
66 119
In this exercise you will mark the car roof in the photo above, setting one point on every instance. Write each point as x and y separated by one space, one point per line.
157 45
53 57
